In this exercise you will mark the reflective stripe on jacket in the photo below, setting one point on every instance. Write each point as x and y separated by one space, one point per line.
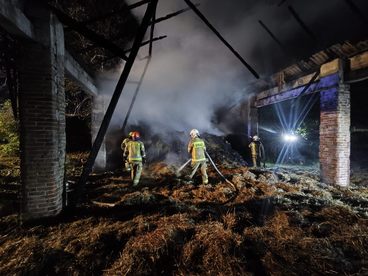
197 149
135 151
253 148
124 143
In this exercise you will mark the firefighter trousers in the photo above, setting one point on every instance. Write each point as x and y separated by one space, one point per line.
203 168
135 171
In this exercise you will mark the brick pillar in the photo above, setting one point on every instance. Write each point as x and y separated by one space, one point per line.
252 117
334 151
42 119
100 104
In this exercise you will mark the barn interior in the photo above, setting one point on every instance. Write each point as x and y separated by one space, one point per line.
77 77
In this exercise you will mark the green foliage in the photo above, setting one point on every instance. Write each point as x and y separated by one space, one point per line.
302 131
9 136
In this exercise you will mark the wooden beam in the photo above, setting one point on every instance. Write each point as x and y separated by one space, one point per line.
288 86
170 15
121 11
125 51
143 44
79 75
330 68
356 70
14 21
359 61
324 83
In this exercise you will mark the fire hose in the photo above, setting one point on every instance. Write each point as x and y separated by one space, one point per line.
194 170
219 173
213 164
182 167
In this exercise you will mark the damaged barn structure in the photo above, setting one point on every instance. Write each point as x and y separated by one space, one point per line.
71 212
44 62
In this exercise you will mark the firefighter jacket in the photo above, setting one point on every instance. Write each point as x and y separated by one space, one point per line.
135 151
253 148
257 149
197 148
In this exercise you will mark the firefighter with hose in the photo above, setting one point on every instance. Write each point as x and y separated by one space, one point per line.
199 155
197 150
135 154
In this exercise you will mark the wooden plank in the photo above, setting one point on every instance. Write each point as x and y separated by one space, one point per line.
359 61
330 68
79 75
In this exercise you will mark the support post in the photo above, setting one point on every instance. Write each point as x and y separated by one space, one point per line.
152 31
100 103
42 118
334 149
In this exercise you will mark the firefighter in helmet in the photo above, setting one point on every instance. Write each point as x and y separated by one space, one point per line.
257 151
197 149
135 154
123 145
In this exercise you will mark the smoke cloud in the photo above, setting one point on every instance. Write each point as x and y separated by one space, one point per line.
192 74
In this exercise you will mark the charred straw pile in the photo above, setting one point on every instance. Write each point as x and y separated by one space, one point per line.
279 223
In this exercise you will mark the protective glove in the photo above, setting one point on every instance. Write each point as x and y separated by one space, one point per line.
144 160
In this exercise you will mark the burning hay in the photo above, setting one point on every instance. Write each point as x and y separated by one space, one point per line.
282 222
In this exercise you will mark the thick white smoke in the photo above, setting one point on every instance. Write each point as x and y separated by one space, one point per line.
192 73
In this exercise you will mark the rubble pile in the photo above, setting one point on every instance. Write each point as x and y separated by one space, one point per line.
277 222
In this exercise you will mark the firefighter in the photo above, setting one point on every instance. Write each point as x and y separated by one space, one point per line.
197 149
256 151
135 154
123 145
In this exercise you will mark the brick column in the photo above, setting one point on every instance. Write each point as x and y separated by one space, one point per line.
334 151
42 119
100 104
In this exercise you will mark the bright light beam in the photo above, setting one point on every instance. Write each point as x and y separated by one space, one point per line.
290 137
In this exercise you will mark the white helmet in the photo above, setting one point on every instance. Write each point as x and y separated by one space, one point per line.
255 138
194 133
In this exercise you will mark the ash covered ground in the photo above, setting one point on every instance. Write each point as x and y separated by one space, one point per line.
276 222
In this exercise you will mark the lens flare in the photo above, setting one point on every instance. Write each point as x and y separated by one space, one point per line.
290 137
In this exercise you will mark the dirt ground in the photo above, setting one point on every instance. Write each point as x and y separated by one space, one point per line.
275 222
